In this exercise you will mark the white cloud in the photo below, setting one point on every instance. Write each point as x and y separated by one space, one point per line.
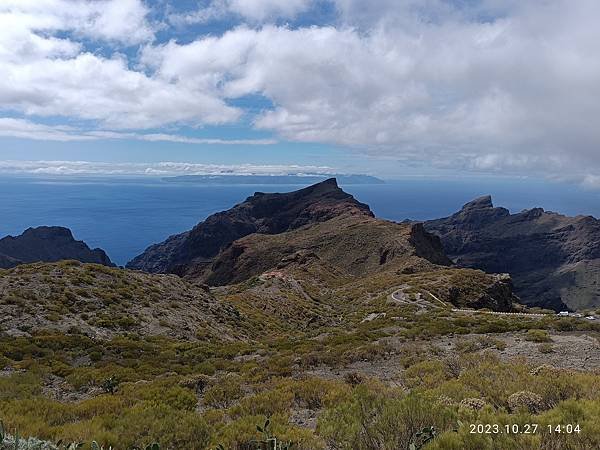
25 129
122 21
490 85
106 90
422 80
45 73
591 182
255 11
215 10
155 169
260 10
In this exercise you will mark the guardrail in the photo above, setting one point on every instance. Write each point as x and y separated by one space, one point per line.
498 313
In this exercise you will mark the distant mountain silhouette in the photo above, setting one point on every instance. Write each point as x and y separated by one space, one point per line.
47 244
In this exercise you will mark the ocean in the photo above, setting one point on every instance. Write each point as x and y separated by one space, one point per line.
124 216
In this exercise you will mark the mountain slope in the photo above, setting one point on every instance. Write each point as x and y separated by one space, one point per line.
260 213
323 239
47 244
554 260
355 246
342 263
102 302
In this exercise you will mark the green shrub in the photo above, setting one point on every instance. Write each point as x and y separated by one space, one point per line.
538 336
373 419
224 393
545 348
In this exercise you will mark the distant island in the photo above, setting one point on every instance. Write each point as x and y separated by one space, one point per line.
273 179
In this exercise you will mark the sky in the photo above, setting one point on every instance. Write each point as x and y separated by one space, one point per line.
392 88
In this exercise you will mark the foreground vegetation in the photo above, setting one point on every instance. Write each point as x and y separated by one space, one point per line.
308 368
219 398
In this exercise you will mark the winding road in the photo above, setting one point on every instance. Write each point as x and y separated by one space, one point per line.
400 296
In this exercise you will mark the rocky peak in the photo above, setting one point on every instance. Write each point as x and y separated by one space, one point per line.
479 203
473 215
263 213
427 245
48 233
553 259
47 244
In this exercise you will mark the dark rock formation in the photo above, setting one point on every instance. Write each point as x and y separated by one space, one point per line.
7 262
554 260
260 213
47 244
497 296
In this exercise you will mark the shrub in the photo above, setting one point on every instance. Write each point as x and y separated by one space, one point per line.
545 348
426 374
525 399
267 403
197 383
314 393
354 378
243 433
224 393
472 403
538 336
375 419
110 385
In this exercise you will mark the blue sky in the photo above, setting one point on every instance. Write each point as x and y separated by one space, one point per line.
392 88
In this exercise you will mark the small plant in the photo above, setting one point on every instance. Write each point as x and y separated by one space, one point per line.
71 446
153 446
421 438
110 385
268 442
537 336
527 400
264 430
354 378
545 348
472 403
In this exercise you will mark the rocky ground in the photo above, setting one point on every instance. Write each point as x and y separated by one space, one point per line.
578 351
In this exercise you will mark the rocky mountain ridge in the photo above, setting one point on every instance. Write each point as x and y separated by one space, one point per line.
320 235
47 244
261 213
554 260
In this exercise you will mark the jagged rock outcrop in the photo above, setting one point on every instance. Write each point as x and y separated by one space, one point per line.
554 260
47 244
497 295
260 213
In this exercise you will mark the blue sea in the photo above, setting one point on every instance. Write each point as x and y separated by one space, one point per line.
124 216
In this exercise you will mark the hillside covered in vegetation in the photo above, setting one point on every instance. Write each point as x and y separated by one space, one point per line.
342 333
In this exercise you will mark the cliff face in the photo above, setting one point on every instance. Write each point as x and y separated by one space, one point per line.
554 260
260 213
47 244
